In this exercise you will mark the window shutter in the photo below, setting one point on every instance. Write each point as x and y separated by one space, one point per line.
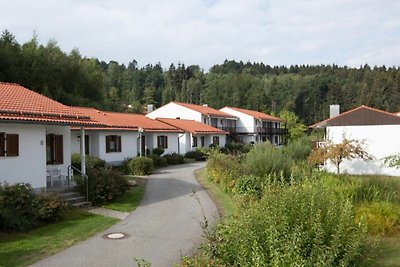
108 140
119 147
59 149
159 141
12 142
166 142
2 145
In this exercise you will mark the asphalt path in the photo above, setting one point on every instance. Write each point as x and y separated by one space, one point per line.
165 226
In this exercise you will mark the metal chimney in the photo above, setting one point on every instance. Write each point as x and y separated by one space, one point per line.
150 108
334 110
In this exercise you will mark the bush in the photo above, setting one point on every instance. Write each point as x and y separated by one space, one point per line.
141 166
158 151
21 209
196 155
264 159
249 185
158 161
174 159
91 162
381 218
298 150
237 148
297 225
123 167
105 184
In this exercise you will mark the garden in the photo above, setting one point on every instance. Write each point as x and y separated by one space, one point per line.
286 212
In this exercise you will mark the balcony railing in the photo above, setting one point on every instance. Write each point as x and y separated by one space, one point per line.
258 130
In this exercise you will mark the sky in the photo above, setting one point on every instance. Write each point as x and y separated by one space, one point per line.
206 32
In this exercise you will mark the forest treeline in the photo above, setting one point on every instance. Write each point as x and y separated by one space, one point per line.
308 90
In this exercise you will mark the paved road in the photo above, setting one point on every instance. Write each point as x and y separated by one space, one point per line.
165 226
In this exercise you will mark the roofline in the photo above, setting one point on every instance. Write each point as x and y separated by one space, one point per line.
316 125
192 132
235 108
208 114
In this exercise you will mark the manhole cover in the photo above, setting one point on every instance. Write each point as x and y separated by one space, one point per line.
114 236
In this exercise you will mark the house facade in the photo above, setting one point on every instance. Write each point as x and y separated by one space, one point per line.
378 129
196 135
203 114
125 135
254 127
35 142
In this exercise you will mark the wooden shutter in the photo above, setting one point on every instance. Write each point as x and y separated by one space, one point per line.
58 149
12 142
119 148
159 141
2 144
108 140
165 141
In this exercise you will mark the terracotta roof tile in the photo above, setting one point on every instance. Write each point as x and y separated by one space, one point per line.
256 114
121 121
192 126
21 104
205 110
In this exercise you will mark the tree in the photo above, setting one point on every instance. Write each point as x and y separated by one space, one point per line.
296 129
392 161
336 153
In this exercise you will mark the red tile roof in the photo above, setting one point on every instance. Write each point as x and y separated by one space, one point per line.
192 126
126 121
18 103
363 115
397 113
256 114
205 110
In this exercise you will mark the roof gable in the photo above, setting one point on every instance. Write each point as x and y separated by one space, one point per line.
362 115
205 110
256 114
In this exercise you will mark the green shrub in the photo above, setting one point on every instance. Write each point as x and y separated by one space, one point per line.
381 218
373 189
123 167
141 166
158 151
196 155
21 209
298 150
105 184
158 161
91 162
249 185
296 225
237 148
264 159
174 159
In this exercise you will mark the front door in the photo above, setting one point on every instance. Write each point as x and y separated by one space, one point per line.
143 145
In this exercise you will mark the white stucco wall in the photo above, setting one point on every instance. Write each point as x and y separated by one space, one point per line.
173 111
172 142
30 165
380 141
66 133
244 120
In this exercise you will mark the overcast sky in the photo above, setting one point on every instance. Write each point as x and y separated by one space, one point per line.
206 32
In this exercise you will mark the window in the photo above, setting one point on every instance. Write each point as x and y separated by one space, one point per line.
162 141
205 121
216 140
54 149
214 122
9 145
194 141
276 140
202 141
113 143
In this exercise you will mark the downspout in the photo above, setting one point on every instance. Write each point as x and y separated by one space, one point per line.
179 137
83 159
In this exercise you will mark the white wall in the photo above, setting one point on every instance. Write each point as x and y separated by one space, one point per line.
172 142
30 165
172 110
244 120
128 146
380 141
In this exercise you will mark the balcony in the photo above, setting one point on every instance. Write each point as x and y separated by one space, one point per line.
256 130
227 129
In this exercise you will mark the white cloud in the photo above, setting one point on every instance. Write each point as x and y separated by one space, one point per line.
206 32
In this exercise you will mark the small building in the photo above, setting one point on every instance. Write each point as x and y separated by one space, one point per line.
255 127
125 135
35 142
199 113
196 134
379 130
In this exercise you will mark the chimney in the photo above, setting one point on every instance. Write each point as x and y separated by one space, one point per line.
334 110
205 105
150 108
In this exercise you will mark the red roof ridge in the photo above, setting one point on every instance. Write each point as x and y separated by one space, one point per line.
200 109
254 113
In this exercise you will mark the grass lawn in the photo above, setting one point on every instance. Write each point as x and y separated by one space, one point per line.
222 199
131 199
21 249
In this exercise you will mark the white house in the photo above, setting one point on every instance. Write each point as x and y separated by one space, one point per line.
254 126
379 130
122 135
203 114
196 134
35 137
